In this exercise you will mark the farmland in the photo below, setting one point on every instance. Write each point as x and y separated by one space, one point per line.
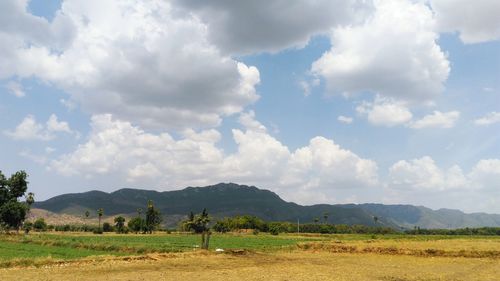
54 256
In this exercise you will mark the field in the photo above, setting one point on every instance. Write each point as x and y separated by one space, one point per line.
248 257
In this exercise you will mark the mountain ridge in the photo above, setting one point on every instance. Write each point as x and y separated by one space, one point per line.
229 199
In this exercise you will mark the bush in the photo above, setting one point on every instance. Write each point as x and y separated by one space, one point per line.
107 227
27 227
40 225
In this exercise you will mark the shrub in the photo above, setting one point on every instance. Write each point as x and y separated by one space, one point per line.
40 225
107 227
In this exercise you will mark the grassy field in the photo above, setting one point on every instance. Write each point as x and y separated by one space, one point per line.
266 257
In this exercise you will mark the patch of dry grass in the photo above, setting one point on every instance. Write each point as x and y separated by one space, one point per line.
295 265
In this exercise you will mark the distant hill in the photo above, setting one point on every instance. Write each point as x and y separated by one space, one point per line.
409 216
229 199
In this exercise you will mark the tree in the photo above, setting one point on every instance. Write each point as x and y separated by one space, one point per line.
120 224
100 213
40 225
107 227
199 224
87 214
12 212
375 219
325 216
153 218
135 224
316 220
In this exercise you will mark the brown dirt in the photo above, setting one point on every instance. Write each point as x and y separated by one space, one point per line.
295 265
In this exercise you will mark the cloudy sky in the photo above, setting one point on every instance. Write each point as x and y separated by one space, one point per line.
327 101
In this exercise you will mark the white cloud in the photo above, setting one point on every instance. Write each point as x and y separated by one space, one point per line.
488 119
437 119
54 125
385 112
477 21
15 88
424 174
139 60
119 148
486 174
30 129
345 119
393 54
241 27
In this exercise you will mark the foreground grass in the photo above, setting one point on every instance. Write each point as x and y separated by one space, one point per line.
16 254
55 247
281 265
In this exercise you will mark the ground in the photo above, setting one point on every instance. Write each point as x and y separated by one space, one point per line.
328 257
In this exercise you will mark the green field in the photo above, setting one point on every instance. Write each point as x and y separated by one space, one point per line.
59 246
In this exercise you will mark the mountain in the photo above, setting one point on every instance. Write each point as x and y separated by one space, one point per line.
224 199
409 216
229 199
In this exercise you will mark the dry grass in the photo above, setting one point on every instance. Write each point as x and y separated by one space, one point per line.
478 248
295 265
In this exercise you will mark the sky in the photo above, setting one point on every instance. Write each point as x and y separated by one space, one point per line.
328 101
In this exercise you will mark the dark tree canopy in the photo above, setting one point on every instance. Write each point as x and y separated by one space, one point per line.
153 217
12 212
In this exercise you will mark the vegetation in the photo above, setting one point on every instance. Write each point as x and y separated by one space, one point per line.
252 222
12 211
153 218
199 224
120 225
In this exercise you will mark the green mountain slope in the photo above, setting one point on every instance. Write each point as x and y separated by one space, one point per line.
220 200
229 199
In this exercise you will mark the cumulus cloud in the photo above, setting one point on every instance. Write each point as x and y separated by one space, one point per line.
139 60
486 174
393 54
118 147
242 27
424 174
15 88
30 129
488 119
345 119
437 119
476 21
385 112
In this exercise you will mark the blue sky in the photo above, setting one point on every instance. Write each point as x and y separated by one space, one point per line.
386 101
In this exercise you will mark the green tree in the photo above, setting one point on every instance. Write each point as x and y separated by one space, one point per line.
87 214
325 217
135 224
153 218
107 227
316 220
100 213
40 225
120 224
12 212
199 224
375 219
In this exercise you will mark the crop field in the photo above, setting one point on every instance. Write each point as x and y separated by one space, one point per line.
77 256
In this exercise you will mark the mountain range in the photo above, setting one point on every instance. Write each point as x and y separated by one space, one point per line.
229 199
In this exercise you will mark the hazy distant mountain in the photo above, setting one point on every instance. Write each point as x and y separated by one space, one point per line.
409 216
233 199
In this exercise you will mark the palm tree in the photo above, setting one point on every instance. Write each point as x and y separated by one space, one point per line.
30 199
100 212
